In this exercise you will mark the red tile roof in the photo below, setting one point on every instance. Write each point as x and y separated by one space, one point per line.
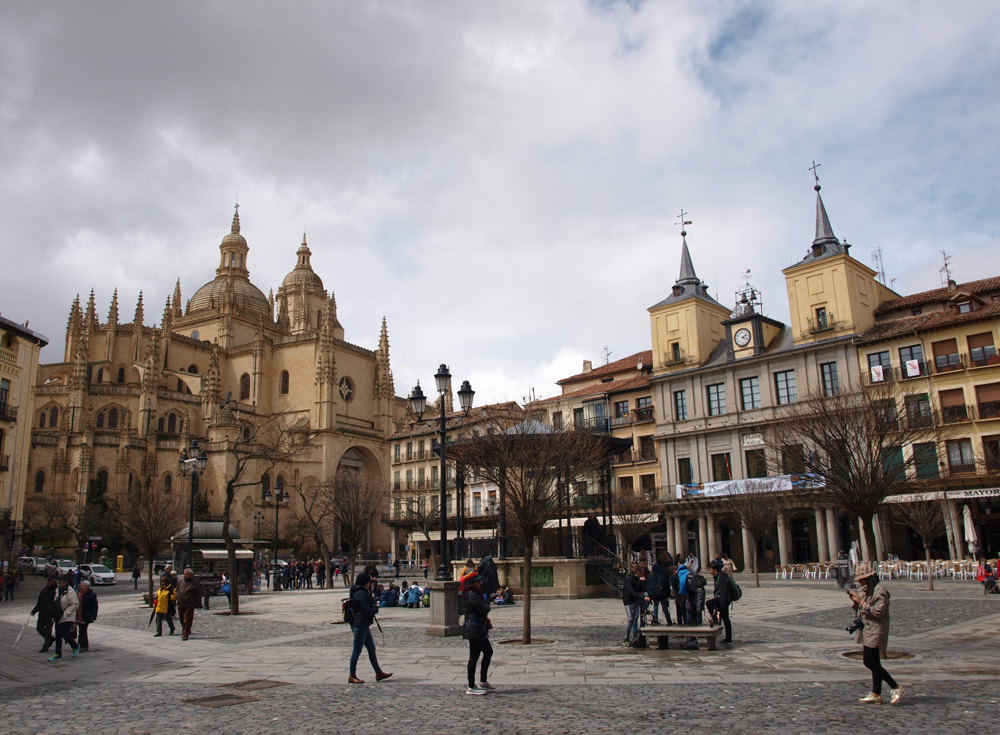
431 423
618 366
637 382
938 294
932 320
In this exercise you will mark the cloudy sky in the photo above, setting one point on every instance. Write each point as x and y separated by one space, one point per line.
499 180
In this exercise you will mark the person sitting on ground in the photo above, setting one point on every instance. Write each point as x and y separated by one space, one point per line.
414 595
505 596
392 596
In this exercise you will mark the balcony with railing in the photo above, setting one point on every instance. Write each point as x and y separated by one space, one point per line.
983 357
646 455
8 412
424 454
913 369
599 424
4 462
822 323
957 414
989 411
950 363
675 357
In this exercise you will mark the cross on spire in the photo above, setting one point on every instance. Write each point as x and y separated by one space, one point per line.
815 175
683 222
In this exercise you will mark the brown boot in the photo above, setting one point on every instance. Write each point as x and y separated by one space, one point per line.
382 675
352 679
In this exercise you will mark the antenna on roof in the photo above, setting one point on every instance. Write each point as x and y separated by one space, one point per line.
945 269
880 266
607 355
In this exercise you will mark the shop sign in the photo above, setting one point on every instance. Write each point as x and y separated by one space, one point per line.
755 439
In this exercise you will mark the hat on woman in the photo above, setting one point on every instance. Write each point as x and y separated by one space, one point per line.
472 577
863 576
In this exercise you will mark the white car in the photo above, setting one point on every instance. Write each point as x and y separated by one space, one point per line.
98 574
59 566
30 565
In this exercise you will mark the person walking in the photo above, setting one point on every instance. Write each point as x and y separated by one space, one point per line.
67 604
722 597
364 611
164 599
425 566
188 595
728 565
45 609
136 576
633 596
658 589
87 614
476 630
871 604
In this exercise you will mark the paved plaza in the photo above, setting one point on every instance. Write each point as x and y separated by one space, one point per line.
786 671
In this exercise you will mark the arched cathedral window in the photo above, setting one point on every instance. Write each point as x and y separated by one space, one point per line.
244 387
121 375
100 421
39 481
54 417
113 418
172 424
284 382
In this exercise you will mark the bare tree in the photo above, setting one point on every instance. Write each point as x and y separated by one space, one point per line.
854 441
530 462
52 517
148 518
256 449
356 498
927 519
757 505
423 518
635 515
318 511
298 528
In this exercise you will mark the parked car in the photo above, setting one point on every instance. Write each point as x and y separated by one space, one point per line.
98 574
59 566
30 565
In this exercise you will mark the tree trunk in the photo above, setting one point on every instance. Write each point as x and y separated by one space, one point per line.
526 624
352 562
756 565
869 526
152 603
930 577
234 586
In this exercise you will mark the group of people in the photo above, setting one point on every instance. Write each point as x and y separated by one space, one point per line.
677 578
64 615
176 597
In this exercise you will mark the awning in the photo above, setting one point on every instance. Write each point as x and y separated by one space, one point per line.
574 522
471 533
216 554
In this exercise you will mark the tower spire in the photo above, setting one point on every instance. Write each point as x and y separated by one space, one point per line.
176 301
687 274
113 311
139 317
824 232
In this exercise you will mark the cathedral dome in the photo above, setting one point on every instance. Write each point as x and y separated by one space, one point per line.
245 296
302 274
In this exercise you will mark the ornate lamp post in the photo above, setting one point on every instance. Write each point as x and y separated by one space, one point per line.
419 404
193 466
280 497
257 517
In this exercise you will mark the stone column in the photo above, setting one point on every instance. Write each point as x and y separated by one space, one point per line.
669 543
879 546
863 541
832 534
678 540
782 540
821 538
703 555
444 609
749 554
712 541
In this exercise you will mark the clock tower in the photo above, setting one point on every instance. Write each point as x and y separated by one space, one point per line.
748 332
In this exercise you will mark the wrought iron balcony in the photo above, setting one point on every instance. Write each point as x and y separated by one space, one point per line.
4 462
957 414
989 411
821 324
8 412
950 363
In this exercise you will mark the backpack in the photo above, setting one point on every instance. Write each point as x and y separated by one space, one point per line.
347 610
737 592
656 587
696 581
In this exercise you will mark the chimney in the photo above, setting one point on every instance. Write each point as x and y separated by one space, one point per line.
587 366
952 286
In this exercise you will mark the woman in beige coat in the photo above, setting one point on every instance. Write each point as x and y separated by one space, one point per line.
872 607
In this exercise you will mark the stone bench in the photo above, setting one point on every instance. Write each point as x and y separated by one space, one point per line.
663 634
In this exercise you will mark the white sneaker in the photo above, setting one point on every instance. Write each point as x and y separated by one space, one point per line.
872 698
897 694
475 690
490 688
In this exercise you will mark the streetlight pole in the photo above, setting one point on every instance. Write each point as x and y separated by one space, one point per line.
193 466
258 517
279 498
419 404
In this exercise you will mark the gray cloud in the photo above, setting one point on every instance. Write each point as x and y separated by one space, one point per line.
500 181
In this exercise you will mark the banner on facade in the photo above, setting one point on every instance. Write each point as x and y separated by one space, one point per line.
986 492
781 483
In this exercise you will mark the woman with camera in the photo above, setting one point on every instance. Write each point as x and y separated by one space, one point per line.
872 609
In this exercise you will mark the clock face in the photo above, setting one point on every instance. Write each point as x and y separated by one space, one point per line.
742 337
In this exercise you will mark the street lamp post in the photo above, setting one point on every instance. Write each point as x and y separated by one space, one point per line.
257 517
193 466
280 496
419 404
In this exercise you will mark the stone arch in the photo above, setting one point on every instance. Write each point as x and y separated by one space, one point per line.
358 456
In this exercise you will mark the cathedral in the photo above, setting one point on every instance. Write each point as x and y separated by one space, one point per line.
128 398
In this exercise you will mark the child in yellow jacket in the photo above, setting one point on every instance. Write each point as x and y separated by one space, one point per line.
164 596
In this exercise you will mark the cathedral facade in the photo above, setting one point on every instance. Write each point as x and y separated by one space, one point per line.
127 398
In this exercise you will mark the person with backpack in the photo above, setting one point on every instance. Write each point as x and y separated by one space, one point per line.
361 609
658 589
633 596
722 598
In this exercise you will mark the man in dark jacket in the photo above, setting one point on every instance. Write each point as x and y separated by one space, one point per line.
364 615
88 613
592 534
723 597
632 597
45 608
188 595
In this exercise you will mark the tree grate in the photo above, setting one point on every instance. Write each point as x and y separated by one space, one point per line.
221 700
253 685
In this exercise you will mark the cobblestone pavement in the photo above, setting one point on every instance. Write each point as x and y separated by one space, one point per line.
786 671
419 710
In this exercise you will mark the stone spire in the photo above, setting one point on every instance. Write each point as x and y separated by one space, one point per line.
687 274
90 318
138 319
113 311
824 232
74 326
168 318
270 302
178 310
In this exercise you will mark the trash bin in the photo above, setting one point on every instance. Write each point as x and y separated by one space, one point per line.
120 564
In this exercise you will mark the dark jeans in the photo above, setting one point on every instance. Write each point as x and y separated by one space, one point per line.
680 607
363 637
723 611
135 583
874 663
665 604
82 635
160 617
44 628
476 647
64 632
